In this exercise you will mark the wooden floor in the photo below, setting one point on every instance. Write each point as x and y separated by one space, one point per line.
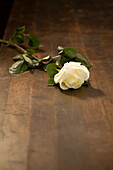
44 128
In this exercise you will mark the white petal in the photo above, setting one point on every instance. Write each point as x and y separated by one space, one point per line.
78 85
63 86
57 78
59 75
71 63
83 72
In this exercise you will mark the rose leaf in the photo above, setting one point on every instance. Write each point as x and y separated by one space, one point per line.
32 40
64 60
69 52
18 57
18 67
51 82
60 49
83 60
51 69
30 51
45 59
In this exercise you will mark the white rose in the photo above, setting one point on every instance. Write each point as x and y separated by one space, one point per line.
72 75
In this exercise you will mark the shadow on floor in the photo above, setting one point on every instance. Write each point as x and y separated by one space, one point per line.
83 92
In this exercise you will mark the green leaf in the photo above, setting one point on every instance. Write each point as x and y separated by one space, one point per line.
45 65
69 52
17 36
51 69
28 60
32 40
45 59
64 60
83 60
30 51
35 63
60 49
20 30
51 82
18 39
86 83
18 67
18 57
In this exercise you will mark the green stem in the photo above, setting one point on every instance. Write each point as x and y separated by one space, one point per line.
18 47
14 45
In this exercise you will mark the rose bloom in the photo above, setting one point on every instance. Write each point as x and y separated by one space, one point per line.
72 75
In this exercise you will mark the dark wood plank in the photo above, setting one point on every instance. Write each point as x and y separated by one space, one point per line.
45 128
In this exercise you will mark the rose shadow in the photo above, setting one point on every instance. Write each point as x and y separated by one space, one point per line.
83 92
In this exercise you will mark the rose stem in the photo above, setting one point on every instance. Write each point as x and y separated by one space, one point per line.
18 47
56 56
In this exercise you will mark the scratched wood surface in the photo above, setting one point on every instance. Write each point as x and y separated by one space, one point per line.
44 128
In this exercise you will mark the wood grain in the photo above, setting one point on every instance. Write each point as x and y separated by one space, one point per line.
45 128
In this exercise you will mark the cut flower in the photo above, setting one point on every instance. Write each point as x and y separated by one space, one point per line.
72 75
